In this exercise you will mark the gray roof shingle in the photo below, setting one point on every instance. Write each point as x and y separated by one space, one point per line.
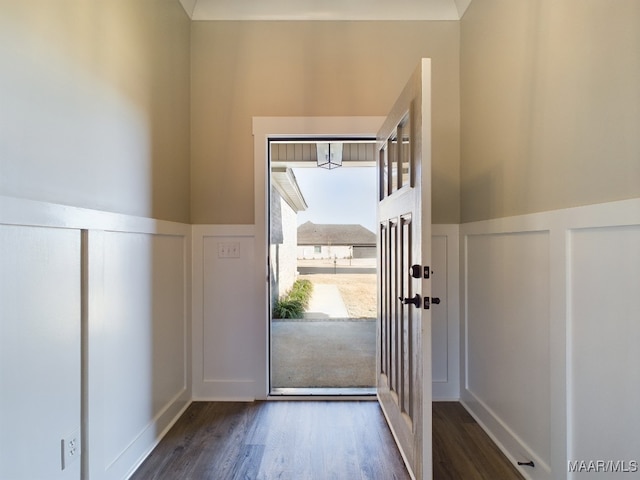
310 233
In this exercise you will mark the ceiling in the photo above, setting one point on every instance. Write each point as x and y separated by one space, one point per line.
325 9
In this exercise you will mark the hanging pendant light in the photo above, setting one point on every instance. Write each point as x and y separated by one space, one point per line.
329 155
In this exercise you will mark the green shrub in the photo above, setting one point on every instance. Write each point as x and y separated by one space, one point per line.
288 309
293 303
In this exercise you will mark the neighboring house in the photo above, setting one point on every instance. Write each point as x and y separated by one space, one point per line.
335 241
286 202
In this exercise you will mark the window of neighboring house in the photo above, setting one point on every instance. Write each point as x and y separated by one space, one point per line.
317 249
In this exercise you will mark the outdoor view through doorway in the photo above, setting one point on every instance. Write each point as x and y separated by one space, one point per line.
323 259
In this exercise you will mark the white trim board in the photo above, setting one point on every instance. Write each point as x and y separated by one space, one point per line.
20 211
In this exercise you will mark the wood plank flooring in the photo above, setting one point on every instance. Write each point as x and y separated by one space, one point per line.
313 440
462 449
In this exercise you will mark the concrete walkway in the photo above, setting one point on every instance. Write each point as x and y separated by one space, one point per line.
323 354
326 302
325 349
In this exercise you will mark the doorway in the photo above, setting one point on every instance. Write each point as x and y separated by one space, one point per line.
269 128
322 266
403 385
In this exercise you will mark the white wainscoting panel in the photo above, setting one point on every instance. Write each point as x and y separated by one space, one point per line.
139 330
507 332
550 332
230 325
604 326
445 317
94 311
39 350
229 330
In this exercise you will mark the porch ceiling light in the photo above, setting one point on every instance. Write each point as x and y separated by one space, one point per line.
329 155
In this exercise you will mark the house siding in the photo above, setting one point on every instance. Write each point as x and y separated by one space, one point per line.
308 252
282 250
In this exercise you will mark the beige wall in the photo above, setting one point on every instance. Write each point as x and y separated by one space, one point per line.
550 105
95 104
246 69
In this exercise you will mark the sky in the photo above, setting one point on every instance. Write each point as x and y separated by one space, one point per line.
341 195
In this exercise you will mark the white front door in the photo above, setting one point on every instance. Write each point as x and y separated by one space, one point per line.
404 320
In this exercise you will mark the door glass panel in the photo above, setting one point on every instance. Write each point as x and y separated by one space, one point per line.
404 132
383 166
393 163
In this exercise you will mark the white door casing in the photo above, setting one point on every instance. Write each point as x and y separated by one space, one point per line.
265 128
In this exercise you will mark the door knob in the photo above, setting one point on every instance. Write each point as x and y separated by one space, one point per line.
414 301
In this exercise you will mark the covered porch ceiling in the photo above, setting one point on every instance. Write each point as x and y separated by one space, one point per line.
301 154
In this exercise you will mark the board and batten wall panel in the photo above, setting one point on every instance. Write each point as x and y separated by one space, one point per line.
604 326
229 330
39 350
95 337
445 317
230 326
507 306
550 332
138 344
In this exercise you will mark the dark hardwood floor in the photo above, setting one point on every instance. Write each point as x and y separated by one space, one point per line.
314 440
462 449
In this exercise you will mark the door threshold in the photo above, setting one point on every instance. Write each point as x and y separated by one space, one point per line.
323 394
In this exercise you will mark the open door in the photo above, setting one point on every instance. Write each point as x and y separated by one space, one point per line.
404 321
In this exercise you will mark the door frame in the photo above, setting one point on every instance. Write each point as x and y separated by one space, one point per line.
265 128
